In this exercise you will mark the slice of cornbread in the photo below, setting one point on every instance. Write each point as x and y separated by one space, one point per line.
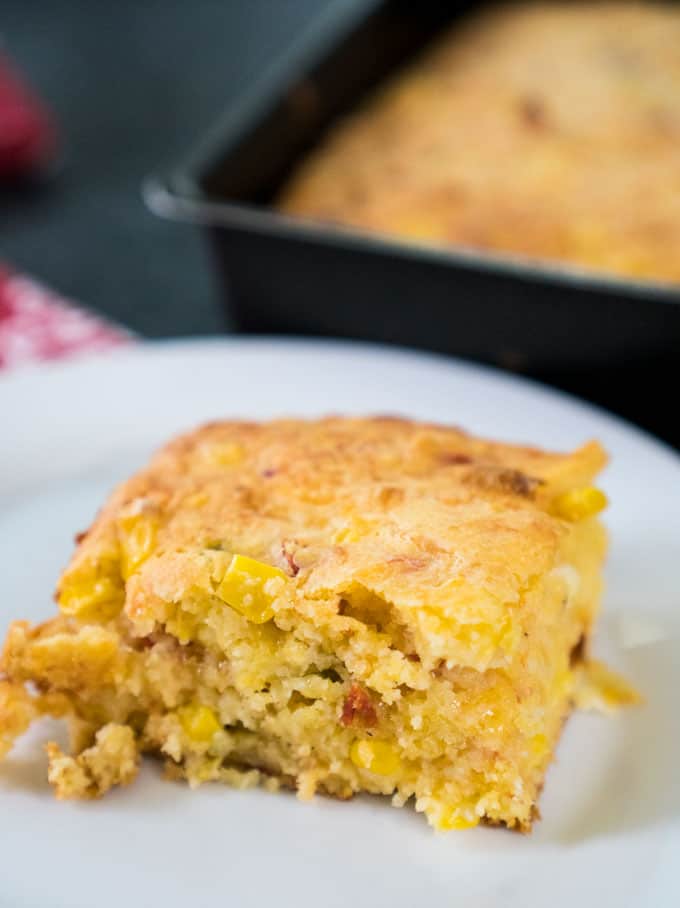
340 605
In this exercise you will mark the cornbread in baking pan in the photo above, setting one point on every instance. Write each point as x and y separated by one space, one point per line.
548 130
342 605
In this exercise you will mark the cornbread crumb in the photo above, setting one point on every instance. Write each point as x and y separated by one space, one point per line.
112 760
17 711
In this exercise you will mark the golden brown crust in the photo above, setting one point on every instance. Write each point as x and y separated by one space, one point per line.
544 129
391 504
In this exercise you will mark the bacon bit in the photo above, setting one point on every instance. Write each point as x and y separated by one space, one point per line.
358 705
453 457
518 482
533 113
80 537
268 473
293 566
489 476
409 562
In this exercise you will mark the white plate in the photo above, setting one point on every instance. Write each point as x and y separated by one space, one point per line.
611 828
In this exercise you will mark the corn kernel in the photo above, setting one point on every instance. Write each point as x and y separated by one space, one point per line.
599 687
376 756
539 745
563 682
577 504
354 531
225 454
196 500
137 537
456 819
249 587
199 722
183 626
85 594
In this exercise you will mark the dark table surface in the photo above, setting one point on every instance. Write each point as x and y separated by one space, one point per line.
132 84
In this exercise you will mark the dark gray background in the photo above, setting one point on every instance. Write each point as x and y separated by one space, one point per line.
132 83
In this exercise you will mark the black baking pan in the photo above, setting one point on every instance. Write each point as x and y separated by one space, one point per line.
612 340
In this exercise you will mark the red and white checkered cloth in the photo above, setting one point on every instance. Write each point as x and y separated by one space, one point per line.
36 324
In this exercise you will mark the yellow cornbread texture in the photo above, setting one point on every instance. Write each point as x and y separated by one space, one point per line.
338 605
548 130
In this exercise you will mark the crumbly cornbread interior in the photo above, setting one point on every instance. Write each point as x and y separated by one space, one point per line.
547 129
339 605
